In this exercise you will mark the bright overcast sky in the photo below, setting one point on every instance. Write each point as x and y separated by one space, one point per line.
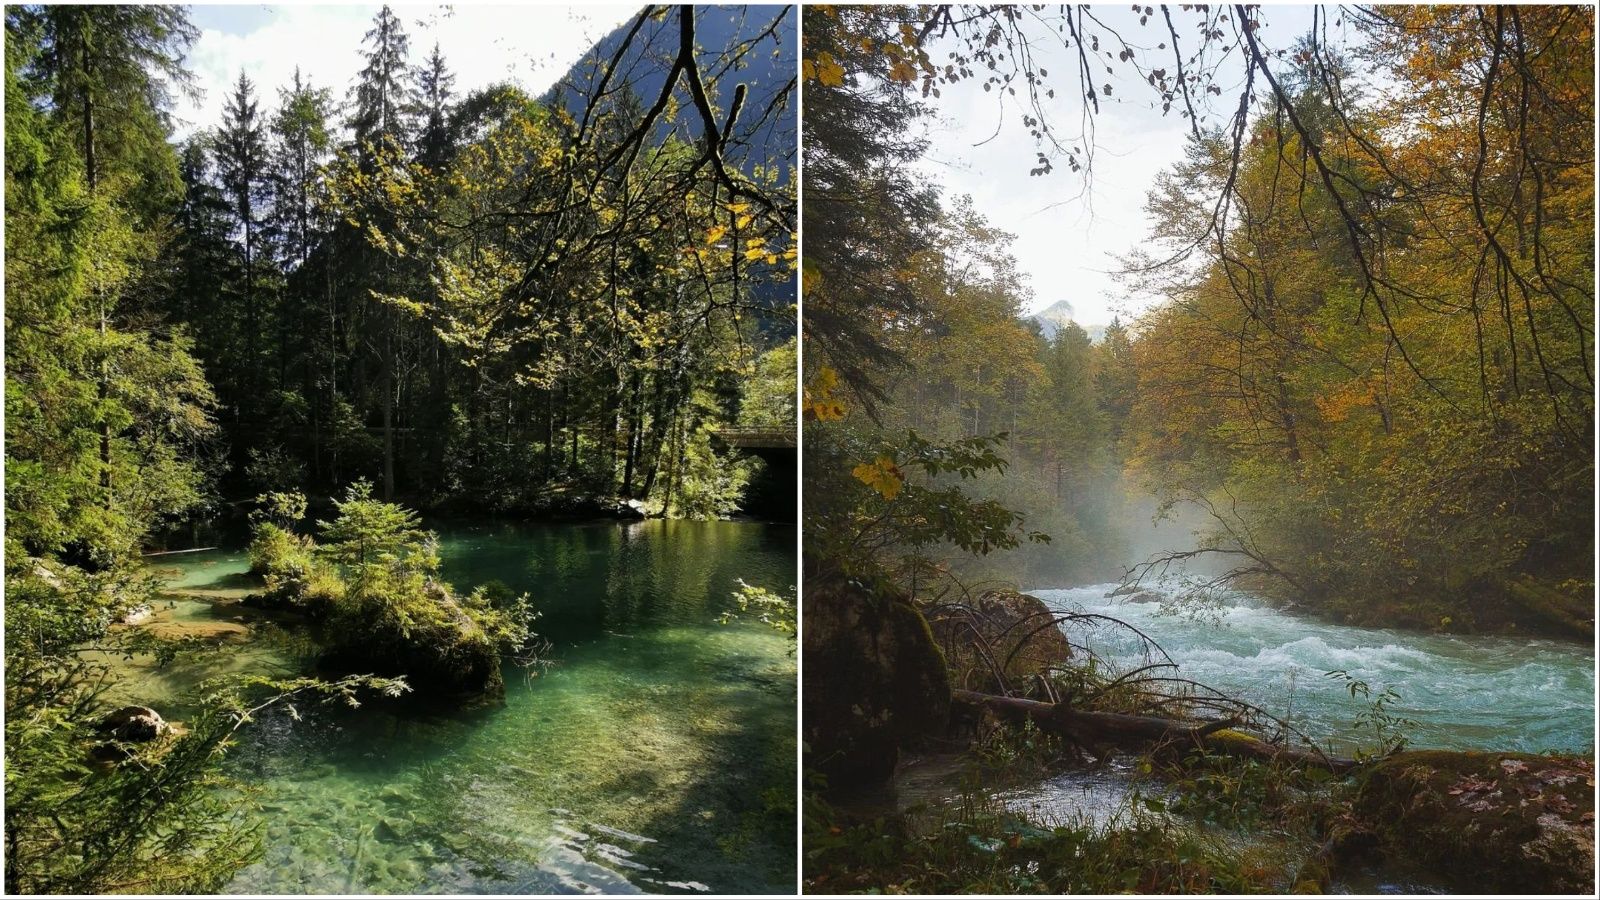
533 45
1069 232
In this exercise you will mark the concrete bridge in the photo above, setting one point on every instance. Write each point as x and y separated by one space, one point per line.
771 494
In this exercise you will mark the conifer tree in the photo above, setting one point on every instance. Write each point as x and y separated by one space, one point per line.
434 92
381 96
301 143
241 152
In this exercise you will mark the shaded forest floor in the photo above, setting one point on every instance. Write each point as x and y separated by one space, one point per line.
1008 815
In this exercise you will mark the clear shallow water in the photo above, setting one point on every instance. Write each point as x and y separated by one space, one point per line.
1464 692
642 760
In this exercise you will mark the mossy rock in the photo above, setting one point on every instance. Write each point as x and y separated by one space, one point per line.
874 682
440 665
1018 629
1514 822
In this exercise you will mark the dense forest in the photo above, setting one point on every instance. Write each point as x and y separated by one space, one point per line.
365 293
1367 384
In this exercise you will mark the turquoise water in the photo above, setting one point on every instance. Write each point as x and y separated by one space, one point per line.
655 754
1461 692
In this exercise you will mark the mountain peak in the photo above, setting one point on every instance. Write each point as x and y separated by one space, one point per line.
1052 317
1058 313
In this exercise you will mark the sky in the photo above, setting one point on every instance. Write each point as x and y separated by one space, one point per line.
1071 230
533 45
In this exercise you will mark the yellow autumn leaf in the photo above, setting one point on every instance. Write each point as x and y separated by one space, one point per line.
819 400
829 73
882 475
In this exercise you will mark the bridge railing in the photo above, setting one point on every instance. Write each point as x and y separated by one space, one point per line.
757 438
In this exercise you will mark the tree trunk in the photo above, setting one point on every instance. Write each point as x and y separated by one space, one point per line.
549 432
572 425
388 421
91 170
1091 728
92 175
103 392
251 380
635 425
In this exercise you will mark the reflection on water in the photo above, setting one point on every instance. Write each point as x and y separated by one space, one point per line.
640 761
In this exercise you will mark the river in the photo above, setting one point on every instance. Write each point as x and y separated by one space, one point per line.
1462 692
656 753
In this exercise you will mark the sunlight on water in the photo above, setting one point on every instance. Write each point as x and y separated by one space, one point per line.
639 761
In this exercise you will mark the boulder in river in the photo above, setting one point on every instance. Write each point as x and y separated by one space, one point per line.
1512 822
1001 631
874 681
134 724
420 630
138 615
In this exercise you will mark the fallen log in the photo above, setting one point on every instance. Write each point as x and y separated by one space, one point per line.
1089 727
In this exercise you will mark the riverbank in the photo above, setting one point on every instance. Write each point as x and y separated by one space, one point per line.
1419 822
1002 805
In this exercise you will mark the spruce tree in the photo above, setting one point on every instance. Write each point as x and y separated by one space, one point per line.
104 415
379 123
241 153
301 142
434 91
381 96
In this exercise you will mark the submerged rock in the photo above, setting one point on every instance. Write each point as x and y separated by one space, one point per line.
214 632
1005 630
1517 822
394 829
874 681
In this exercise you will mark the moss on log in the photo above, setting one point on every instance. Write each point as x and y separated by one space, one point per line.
1087 727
